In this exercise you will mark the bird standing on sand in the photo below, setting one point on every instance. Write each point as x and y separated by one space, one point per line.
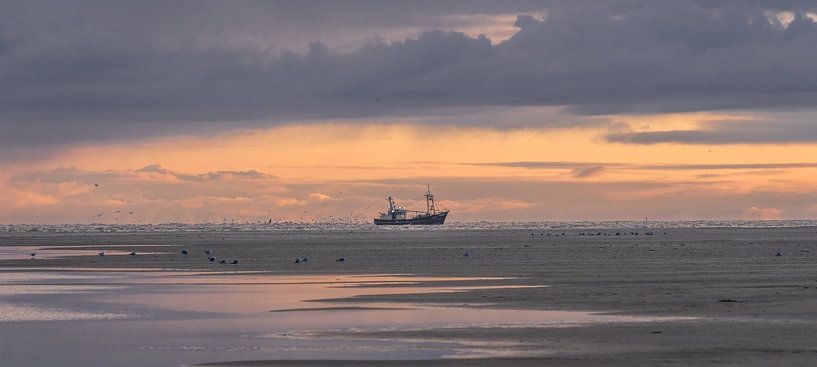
466 254
235 262
779 253
223 261
102 253
342 259
212 259
132 254
184 252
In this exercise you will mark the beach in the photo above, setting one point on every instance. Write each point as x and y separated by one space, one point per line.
666 296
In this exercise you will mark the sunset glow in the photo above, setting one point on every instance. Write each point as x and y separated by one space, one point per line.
503 146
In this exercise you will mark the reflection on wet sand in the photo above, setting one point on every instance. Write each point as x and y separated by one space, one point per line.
193 317
40 252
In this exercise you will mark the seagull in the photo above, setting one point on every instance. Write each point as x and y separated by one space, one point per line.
779 253
102 253
132 254
223 261
33 254
184 252
212 259
306 259
297 260
234 262
342 259
466 254
96 184
207 252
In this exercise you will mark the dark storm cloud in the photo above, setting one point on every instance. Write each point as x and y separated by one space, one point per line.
118 70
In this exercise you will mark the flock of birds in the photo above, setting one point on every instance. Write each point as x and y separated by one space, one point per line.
305 259
648 233
212 259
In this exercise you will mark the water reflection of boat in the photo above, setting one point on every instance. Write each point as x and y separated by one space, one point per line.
398 215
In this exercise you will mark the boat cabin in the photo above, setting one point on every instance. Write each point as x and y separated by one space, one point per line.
395 212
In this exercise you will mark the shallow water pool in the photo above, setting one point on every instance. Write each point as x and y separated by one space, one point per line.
167 318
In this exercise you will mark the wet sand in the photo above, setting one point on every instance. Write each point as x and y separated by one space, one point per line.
749 307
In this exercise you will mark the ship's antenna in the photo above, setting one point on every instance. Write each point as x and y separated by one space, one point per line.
430 209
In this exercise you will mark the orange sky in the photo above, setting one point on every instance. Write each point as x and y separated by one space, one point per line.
347 168
511 111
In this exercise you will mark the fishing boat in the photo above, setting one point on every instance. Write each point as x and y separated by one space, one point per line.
398 215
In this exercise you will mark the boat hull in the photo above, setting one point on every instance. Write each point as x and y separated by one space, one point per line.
434 219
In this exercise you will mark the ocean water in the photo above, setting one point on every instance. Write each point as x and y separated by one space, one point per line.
319 226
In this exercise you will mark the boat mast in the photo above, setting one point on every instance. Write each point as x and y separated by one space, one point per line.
430 209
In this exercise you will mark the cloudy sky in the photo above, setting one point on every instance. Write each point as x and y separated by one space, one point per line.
196 111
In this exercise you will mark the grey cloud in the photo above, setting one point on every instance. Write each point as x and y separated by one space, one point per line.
578 167
728 132
541 164
591 171
762 166
64 174
73 174
121 70
251 174
215 175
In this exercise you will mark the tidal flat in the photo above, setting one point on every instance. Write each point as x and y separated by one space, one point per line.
414 297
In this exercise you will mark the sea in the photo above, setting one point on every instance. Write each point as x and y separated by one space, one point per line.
357 226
